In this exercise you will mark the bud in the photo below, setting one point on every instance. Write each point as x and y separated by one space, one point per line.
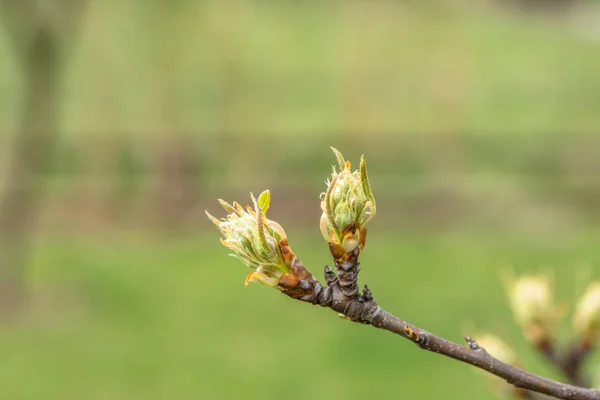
347 205
254 239
532 304
586 320
497 348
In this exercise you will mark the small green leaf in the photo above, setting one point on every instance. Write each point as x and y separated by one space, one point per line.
365 180
260 226
264 200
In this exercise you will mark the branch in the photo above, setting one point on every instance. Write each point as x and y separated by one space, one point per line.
246 231
364 309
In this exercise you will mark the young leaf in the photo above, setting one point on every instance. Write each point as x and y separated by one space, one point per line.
365 180
264 200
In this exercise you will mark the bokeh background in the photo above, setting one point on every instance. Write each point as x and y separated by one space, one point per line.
121 121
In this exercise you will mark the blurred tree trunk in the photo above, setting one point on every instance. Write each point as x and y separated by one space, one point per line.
35 29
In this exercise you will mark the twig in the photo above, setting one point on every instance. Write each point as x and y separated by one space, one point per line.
364 309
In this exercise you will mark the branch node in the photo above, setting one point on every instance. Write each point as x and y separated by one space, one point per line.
308 298
323 295
346 317
348 276
305 284
472 343
330 277
367 295
421 340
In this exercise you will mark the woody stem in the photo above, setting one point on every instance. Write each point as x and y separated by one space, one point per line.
341 295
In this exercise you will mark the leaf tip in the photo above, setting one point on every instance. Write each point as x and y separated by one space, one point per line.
213 219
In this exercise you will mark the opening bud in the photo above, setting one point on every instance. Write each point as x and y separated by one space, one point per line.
347 205
255 240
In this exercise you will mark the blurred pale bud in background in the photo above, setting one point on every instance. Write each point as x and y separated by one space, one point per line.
586 320
532 303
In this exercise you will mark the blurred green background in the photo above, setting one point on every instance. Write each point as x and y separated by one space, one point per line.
121 121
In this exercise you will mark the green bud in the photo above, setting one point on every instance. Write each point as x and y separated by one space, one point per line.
347 205
254 239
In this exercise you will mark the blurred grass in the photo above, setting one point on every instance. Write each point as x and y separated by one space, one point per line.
135 317
475 102
286 68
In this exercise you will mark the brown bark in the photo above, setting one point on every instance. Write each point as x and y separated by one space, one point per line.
364 309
